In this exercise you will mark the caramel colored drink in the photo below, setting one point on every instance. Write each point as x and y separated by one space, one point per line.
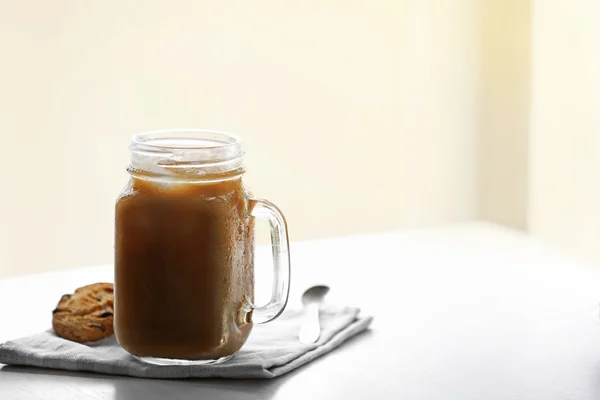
168 235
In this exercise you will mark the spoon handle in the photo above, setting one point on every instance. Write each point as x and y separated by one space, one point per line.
310 329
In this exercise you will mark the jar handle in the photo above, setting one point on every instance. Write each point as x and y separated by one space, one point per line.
264 209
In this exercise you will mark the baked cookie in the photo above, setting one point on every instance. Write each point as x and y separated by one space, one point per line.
86 315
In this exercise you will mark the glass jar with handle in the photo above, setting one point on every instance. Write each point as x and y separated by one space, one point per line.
184 250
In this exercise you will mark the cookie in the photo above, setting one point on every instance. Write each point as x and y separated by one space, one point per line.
86 315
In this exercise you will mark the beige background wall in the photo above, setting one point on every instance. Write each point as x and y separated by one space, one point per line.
357 116
565 132
504 111
539 149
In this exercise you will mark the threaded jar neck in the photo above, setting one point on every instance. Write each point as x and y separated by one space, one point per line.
186 154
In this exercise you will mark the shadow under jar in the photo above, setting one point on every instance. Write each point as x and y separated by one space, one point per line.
184 250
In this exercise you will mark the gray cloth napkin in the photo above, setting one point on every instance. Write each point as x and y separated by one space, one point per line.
272 350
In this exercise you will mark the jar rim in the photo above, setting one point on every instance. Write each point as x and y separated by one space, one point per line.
183 139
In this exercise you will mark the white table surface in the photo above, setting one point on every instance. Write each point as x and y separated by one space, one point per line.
471 311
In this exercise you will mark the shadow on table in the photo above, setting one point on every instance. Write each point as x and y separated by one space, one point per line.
128 388
595 382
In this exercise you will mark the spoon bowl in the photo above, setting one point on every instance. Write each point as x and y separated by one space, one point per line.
312 299
315 294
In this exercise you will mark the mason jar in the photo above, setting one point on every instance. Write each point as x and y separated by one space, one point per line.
184 249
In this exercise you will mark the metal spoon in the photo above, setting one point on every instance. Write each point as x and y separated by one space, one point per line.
312 299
